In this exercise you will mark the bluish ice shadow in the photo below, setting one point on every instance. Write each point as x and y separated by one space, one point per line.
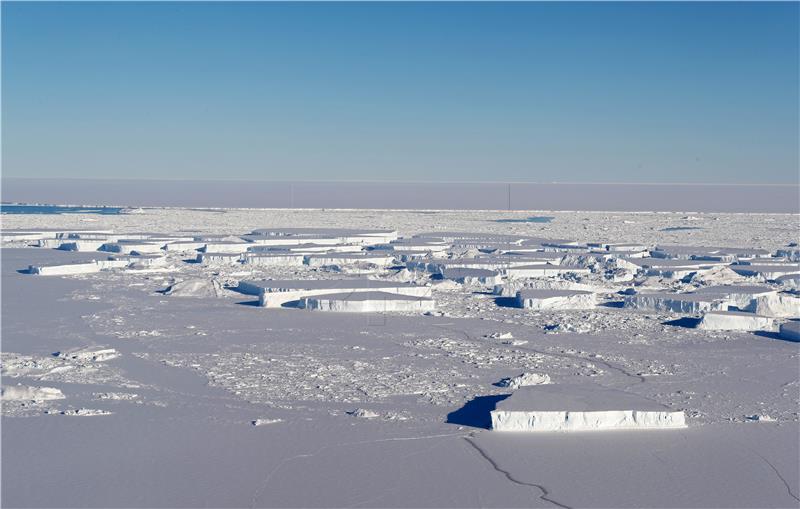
532 219
506 302
476 412
773 335
680 228
688 322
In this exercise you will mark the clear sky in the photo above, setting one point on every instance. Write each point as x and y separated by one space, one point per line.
574 92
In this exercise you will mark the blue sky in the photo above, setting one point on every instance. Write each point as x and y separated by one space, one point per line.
574 92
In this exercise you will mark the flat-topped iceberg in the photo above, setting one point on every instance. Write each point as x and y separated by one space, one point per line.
273 259
275 293
542 300
735 320
367 302
688 303
581 408
472 276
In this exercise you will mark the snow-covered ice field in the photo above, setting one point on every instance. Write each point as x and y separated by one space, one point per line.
157 384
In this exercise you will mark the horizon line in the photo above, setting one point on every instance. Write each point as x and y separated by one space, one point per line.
382 181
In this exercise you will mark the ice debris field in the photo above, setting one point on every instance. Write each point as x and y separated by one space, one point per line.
400 358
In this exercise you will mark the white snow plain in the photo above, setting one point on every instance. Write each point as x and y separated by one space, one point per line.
180 390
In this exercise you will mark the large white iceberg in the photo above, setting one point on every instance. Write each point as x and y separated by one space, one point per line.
581 408
555 299
784 305
735 320
368 302
689 303
275 293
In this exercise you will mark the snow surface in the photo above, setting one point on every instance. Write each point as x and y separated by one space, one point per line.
388 409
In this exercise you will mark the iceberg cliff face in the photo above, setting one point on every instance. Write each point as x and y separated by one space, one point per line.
732 320
581 408
586 421
367 302
781 305
555 299
687 303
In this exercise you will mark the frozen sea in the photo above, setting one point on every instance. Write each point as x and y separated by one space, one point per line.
377 410
396 195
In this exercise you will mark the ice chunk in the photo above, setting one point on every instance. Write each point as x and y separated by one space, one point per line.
689 303
349 258
555 299
581 408
543 270
363 413
27 393
195 288
524 380
776 304
82 245
89 354
767 272
737 295
367 302
472 276
65 269
85 412
789 281
273 259
790 253
207 258
734 320
264 422
275 293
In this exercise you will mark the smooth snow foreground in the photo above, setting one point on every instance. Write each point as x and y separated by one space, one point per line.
581 408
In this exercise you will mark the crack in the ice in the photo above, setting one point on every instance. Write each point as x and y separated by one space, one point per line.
777 473
260 491
545 492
